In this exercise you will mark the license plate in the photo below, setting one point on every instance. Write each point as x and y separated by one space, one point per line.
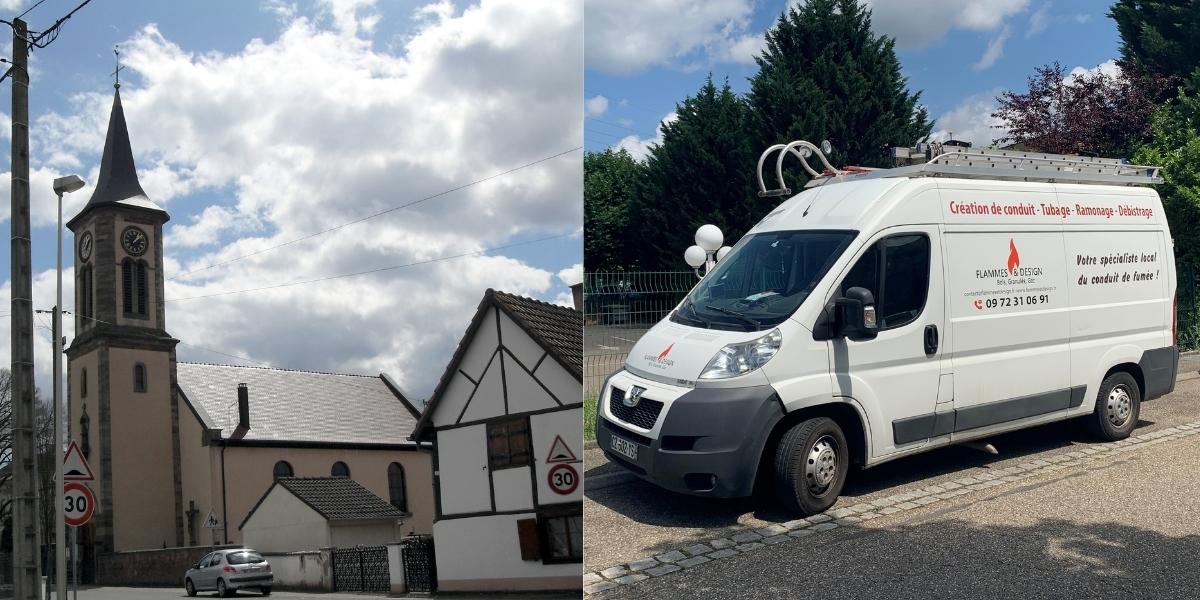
623 447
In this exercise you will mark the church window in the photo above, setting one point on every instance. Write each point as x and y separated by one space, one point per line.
134 287
85 294
83 383
508 443
397 493
282 469
340 469
139 377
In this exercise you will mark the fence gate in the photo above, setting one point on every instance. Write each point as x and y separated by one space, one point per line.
361 569
420 574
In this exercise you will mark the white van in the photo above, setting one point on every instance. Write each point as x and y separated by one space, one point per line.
884 313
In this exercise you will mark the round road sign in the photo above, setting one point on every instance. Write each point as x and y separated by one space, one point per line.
78 503
563 479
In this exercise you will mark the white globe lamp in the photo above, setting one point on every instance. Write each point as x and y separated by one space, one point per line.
722 252
695 256
709 238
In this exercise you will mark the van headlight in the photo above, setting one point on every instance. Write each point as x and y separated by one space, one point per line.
739 359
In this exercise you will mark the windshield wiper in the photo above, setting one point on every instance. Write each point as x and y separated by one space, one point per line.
696 316
734 313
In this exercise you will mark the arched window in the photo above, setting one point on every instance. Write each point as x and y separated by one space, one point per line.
396 492
134 287
282 469
340 469
139 377
83 383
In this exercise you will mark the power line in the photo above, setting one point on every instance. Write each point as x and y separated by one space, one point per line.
370 271
30 9
378 214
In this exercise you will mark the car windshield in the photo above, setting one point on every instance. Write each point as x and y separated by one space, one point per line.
241 558
763 280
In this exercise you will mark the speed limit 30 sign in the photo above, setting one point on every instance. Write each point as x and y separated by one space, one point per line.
78 504
563 479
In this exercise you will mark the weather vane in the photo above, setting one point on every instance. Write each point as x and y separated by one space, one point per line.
117 72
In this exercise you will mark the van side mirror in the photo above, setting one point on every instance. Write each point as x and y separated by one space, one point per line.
855 316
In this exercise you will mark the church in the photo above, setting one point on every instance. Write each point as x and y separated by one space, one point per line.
182 451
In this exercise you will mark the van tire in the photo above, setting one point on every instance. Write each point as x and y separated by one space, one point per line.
1118 405
811 462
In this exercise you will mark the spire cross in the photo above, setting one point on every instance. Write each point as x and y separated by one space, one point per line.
117 72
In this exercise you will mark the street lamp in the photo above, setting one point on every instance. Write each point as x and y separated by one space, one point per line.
708 249
62 185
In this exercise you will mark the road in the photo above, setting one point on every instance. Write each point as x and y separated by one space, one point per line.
1096 520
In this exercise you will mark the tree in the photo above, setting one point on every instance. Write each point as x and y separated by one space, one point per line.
1092 113
1158 39
44 436
702 172
824 75
1175 146
608 184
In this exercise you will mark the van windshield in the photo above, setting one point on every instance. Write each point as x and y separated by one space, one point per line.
763 280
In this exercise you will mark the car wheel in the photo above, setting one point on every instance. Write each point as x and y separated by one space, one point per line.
189 587
266 591
811 463
222 590
1118 404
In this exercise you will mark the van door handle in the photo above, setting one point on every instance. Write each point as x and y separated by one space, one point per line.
931 340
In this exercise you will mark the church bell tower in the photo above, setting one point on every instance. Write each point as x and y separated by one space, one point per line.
121 363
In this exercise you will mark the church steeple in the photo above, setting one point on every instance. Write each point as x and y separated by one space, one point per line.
118 177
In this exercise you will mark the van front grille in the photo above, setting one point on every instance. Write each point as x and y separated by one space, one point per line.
644 415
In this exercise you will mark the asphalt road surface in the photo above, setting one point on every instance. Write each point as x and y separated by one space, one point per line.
1127 528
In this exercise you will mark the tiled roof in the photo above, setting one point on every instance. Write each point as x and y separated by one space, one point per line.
335 498
299 406
557 328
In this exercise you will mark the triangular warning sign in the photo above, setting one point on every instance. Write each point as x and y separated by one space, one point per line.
211 522
75 466
560 453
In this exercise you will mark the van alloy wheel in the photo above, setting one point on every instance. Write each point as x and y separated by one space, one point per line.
1120 405
821 467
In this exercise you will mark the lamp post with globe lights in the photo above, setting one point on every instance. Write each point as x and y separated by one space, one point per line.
707 251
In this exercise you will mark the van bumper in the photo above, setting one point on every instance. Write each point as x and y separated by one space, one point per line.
709 442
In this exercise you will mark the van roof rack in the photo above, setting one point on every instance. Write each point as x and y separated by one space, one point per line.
942 160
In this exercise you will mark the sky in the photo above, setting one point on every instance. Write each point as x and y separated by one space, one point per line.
644 56
254 123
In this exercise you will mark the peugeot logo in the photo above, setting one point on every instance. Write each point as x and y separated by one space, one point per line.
633 397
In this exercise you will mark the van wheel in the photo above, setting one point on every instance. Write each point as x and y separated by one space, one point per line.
811 462
189 587
1117 407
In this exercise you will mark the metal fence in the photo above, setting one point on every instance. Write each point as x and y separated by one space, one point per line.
618 307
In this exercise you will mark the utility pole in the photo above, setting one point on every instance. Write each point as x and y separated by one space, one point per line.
25 513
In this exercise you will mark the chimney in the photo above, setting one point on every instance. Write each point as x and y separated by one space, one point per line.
577 295
243 407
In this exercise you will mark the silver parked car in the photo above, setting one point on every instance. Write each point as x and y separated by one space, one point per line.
227 571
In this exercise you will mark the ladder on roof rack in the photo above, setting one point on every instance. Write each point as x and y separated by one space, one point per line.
938 160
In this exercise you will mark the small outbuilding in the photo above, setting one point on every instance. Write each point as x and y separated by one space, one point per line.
307 513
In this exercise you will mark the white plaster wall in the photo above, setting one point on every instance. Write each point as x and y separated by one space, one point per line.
307 570
567 423
282 523
524 393
489 548
513 490
478 354
367 534
519 343
463 472
562 384
488 401
454 398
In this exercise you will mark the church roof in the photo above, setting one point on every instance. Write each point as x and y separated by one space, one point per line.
118 181
335 498
299 408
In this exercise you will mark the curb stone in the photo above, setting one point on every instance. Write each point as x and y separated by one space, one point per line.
749 540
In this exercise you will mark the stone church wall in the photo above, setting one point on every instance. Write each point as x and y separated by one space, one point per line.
150 567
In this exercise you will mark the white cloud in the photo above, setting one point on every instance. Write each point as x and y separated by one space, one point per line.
638 146
264 152
1108 67
1039 20
596 106
628 36
971 120
11 5
995 49
571 275
923 23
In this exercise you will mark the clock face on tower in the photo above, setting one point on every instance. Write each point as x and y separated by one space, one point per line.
134 240
85 246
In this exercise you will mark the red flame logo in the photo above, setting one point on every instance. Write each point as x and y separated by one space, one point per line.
666 352
1014 259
